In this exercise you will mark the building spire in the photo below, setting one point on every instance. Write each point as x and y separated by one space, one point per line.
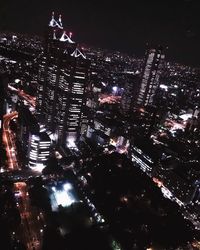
60 20
78 53
53 23
66 38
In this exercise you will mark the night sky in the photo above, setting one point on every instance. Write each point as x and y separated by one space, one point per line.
120 25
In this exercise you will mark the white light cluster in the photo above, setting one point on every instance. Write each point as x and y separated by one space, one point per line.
62 196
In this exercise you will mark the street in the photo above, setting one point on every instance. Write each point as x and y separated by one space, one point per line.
9 141
32 220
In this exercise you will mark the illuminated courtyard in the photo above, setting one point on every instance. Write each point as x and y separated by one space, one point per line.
62 195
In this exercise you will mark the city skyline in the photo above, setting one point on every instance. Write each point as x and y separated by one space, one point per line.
127 28
99 149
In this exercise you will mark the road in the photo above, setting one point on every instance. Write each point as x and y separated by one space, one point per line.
28 98
30 232
23 95
191 216
9 141
32 220
8 137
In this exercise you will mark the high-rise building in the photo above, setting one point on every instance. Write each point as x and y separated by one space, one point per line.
35 142
27 124
71 97
130 93
63 78
39 150
150 77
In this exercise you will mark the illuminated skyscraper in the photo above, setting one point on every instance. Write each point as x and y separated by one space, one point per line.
39 150
71 96
63 78
130 93
151 74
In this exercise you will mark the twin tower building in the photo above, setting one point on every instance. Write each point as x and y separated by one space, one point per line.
63 81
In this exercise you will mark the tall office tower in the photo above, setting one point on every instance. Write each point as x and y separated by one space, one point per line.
48 72
151 74
39 150
27 124
35 142
71 97
130 93
41 83
63 78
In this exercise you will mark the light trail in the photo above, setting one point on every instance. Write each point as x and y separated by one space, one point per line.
8 134
110 99
30 99
31 228
8 141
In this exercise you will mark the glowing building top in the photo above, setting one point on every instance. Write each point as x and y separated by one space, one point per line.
78 53
59 34
62 83
66 38
56 24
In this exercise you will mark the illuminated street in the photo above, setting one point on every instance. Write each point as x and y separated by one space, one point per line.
25 96
9 141
32 221
111 99
28 98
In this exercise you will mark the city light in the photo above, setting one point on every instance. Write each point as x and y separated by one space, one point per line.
162 86
71 142
62 195
80 122
63 199
17 80
115 88
67 186
38 167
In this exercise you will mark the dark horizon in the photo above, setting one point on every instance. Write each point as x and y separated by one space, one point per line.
126 28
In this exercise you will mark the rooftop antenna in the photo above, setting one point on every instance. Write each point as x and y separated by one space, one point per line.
60 20
52 20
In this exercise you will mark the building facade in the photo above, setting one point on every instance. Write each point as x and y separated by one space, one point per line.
130 93
150 77
63 79
39 150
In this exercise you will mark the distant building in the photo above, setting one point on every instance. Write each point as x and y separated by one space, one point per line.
142 160
130 92
105 130
150 78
